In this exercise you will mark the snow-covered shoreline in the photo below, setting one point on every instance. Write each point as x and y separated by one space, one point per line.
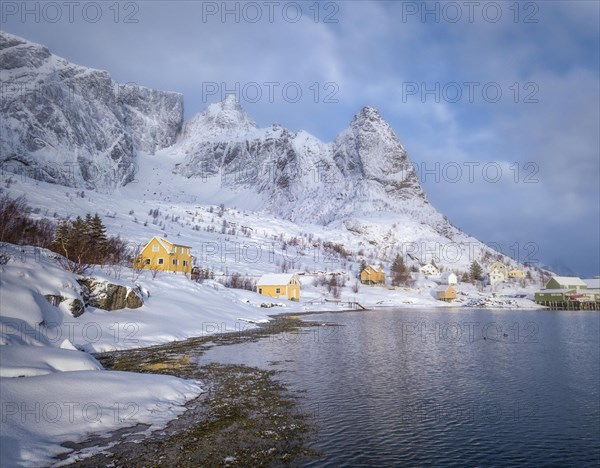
53 392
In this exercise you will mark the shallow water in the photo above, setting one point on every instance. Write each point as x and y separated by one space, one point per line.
470 387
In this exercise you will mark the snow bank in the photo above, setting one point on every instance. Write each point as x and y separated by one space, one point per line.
51 392
39 413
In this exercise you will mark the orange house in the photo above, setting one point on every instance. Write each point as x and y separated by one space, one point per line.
372 276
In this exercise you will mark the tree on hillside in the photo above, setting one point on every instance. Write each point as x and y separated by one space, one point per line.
16 227
400 272
84 242
475 271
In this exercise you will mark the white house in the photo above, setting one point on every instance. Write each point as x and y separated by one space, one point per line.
498 273
448 278
429 270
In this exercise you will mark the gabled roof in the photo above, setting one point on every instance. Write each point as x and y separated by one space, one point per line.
569 281
444 288
447 274
276 279
165 244
592 283
498 265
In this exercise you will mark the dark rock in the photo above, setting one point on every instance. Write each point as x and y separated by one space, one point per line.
108 296
77 307
54 299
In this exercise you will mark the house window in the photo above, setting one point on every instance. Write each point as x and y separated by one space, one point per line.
161 261
146 261
259 290
180 249
155 248
278 291
185 263
174 261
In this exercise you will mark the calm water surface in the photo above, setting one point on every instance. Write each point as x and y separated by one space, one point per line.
422 387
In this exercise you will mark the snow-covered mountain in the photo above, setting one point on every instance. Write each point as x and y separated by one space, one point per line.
365 169
73 125
70 125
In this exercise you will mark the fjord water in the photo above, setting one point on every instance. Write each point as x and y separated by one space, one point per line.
397 387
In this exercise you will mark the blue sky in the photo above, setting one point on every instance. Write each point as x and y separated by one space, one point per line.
506 92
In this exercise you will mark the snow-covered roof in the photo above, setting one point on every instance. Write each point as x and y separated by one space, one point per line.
275 279
592 283
569 280
443 288
167 245
447 274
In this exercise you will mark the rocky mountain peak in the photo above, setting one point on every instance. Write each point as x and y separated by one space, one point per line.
55 114
226 117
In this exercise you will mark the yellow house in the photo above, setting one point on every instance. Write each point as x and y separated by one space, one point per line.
372 276
277 285
445 293
516 273
160 254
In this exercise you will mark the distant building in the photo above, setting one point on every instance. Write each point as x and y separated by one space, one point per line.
429 270
372 276
516 273
592 283
445 293
160 254
565 282
498 273
448 278
278 285
571 293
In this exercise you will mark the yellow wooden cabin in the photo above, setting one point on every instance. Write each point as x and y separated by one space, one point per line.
279 285
372 276
515 273
445 293
160 254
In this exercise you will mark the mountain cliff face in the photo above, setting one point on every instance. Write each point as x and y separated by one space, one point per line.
364 171
71 125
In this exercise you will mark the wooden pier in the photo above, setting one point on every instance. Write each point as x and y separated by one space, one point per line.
571 305
351 304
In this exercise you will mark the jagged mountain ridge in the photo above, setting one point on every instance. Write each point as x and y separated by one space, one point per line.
77 127
363 182
365 169
72 125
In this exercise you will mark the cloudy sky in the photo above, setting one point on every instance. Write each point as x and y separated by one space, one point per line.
497 103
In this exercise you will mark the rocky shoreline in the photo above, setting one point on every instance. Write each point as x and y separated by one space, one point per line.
245 417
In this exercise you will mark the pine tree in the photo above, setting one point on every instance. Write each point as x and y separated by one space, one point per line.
400 273
97 238
475 271
362 267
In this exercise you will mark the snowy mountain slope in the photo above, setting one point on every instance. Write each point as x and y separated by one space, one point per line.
73 125
365 169
360 190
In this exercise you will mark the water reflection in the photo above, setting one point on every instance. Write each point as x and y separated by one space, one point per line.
473 387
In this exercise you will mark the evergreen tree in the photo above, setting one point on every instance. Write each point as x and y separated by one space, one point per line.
475 271
362 267
97 237
400 272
